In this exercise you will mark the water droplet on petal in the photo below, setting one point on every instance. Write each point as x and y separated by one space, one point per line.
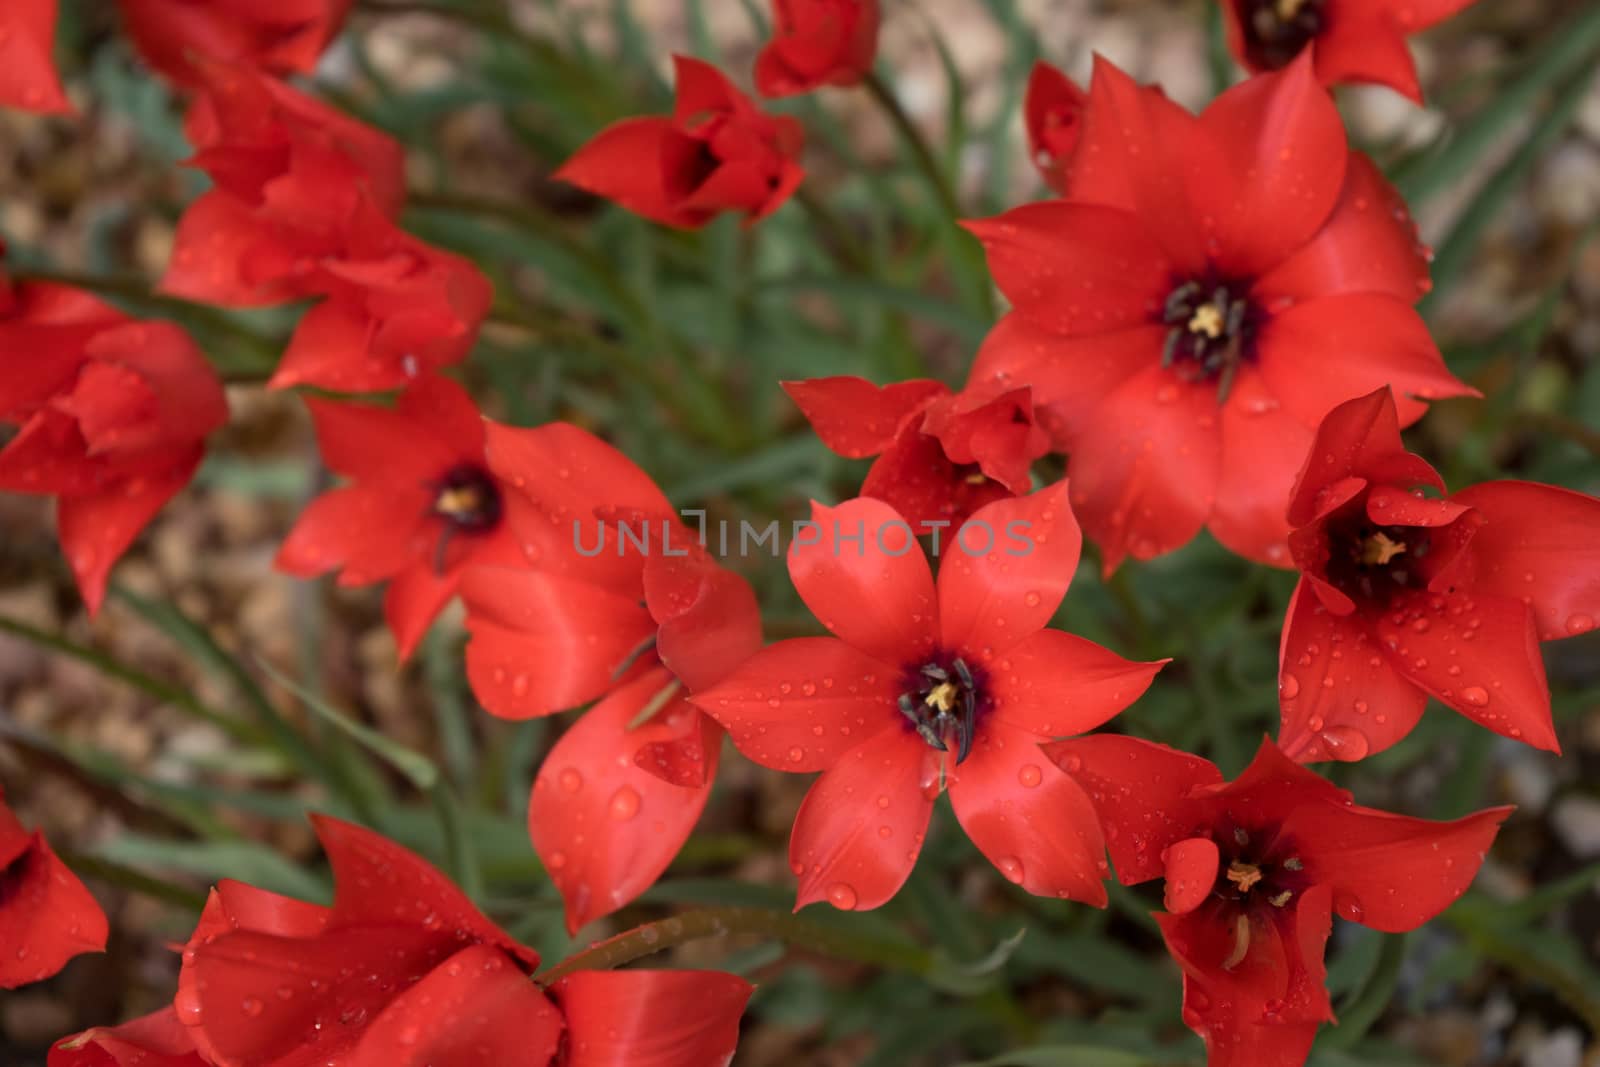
1011 867
842 896
624 803
1346 743
1475 695
1288 687
1580 624
571 780
1030 776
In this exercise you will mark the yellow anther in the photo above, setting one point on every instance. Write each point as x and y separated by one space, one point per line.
1281 899
1288 9
460 500
1243 875
942 696
976 478
1379 549
1207 319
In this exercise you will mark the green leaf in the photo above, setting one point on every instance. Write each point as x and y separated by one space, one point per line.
1066 1056
967 979
244 861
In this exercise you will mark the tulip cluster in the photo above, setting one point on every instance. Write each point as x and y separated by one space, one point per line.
1213 320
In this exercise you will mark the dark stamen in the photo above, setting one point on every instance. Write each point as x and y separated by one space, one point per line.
1207 337
943 709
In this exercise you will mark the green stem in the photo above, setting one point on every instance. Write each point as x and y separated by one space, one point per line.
767 923
907 129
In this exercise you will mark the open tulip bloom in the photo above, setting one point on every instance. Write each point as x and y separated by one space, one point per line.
929 688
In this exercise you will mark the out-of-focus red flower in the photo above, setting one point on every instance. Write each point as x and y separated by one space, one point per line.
616 601
423 505
28 78
942 455
1349 40
113 414
291 175
283 37
1255 869
1404 596
816 43
1052 110
717 152
1209 287
46 915
402 971
931 687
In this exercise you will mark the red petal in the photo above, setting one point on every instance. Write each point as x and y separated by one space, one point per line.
1390 872
154 1040
866 579
1076 268
801 704
1478 654
709 621
1338 694
1262 452
413 600
543 642
95 530
860 828
1144 472
1006 570
1055 684
604 827
993 428
1138 788
651 1018
1052 111
47 916
330 349
238 906
1366 46
474 1009
373 532
625 163
28 78
1322 352
918 480
219 245
1191 868
1424 13
1392 506
435 426
1538 542
1359 438
1032 821
856 418
1272 168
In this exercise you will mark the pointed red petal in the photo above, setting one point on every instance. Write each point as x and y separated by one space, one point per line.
1263 448
1052 111
709 621
1191 868
1359 438
48 916
95 530
1366 46
434 427
217 250
1055 684
625 163
651 1018
412 601
916 478
371 531
154 1040
856 418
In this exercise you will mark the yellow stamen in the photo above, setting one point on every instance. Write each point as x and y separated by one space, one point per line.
942 696
461 500
1281 899
1208 320
1241 943
1288 9
1243 875
1379 549
976 478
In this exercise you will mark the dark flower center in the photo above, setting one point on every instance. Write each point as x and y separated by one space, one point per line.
941 701
468 499
1255 872
1277 30
1212 329
1370 564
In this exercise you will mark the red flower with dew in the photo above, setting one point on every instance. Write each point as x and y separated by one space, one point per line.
616 602
1207 290
816 43
1404 596
1052 111
1255 869
290 175
112 413
46 915
283 37
28 78
422 506
717 152
942 455
1349 40
931 687
403 971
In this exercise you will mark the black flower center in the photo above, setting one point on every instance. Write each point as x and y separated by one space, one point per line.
468 499
1277 30
941 701
1256 871
1211 330
1370 564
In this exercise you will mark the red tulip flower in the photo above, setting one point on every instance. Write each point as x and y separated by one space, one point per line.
290 175
717 152
1052 110
1255 869
930 687
1349 40
28 78
616 602
113 418
942 456
1403 596
403 971
283 37
816 43
46 915
1209 287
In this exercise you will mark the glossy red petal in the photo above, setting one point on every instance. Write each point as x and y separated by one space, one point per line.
1359 438
604 827
1145 469
1323 352
1390 872
220 252
474 1009
96 529
154 1040
801 704
1076 269
856 418
237 906
412 601
1055 684
1424 13
1263 449
372 532
1366 46
429 431
860 828
1191 867
1004 573
864 577
28 77
992 428
1052 112
1392 506
1339 696
1028 817
1539 543
918 480
46 915
1138 789
709 621
625 163
1272 785
1478 654
651 1018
